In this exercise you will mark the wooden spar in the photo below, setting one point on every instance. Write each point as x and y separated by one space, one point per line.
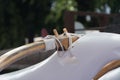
55 33
64 39
65 30
108 67
20 52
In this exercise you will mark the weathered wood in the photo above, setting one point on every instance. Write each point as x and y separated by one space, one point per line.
55 32
108 67
13 56
27 61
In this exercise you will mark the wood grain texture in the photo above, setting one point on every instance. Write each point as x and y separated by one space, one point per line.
20 52
6 60
108 67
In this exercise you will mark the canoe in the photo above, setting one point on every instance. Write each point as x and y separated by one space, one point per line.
77 57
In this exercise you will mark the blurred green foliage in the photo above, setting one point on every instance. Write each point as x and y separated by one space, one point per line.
55 17
25 18
58 7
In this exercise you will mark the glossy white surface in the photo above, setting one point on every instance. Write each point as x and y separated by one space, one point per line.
92 51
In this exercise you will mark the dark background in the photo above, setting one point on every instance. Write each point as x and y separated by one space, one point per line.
20 19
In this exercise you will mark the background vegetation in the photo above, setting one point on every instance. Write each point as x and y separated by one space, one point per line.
20 19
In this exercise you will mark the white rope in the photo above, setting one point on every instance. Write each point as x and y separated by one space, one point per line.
67 58
57 40
49 44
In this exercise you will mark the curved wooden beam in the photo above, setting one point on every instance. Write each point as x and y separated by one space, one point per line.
20 52
108 67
